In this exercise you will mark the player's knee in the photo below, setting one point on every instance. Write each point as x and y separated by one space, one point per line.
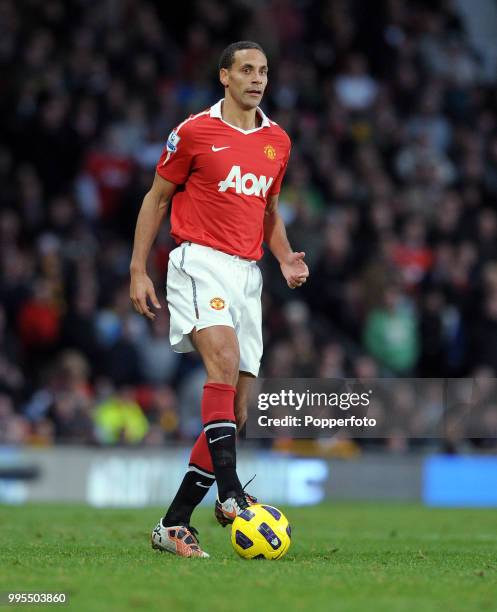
224 364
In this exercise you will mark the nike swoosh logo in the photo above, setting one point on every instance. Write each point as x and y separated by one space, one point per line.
216 149
202 485
220 438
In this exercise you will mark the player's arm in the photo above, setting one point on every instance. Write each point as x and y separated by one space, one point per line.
292 264
152 211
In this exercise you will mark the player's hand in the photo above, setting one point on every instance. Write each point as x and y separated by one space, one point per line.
141 289
295 270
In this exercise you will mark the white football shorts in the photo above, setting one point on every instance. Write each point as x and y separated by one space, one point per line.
206 287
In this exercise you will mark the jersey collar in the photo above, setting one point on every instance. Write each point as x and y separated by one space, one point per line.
215 113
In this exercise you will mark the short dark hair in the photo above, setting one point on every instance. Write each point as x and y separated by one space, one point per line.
228 55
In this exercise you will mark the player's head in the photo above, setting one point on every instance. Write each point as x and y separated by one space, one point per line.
243 72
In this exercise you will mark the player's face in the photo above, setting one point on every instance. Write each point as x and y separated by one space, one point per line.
247 77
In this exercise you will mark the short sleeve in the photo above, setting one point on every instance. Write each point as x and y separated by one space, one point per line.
176 159
276 186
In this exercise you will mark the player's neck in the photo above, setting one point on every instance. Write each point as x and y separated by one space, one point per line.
238 117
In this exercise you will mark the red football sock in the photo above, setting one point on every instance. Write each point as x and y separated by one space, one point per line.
218 403
200 456
218 418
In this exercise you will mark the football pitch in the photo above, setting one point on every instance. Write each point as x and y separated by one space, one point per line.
344 557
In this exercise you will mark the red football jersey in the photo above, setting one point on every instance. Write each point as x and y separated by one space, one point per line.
224 176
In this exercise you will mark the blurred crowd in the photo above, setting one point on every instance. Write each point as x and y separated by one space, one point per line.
391 192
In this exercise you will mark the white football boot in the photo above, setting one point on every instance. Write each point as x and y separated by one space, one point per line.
181 540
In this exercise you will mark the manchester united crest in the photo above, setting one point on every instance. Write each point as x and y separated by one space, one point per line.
217 303
270 152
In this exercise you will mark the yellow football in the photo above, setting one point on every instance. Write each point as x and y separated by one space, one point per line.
261 532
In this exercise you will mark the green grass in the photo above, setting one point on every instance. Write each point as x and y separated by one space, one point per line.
344 557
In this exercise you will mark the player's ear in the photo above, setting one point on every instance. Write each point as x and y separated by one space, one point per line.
223 76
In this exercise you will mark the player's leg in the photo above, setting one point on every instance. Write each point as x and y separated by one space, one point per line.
248 326
196 482
218 347
245 383
174 533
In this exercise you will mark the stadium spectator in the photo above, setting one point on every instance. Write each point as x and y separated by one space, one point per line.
390 333
120 420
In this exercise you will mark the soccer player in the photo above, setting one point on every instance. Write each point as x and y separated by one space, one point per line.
223 169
